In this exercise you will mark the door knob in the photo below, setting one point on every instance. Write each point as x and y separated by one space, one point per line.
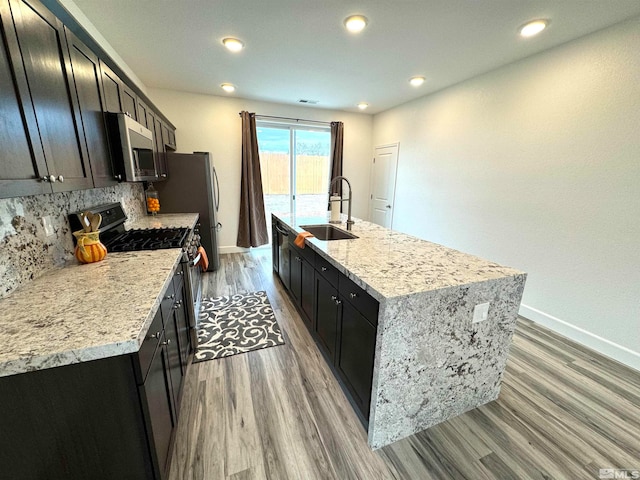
388 206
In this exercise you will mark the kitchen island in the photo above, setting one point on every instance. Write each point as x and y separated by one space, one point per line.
431 361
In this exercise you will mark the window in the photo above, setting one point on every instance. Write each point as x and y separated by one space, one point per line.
294 162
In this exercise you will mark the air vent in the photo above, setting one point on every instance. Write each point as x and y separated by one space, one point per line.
309 102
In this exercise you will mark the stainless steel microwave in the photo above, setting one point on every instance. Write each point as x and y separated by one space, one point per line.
133 149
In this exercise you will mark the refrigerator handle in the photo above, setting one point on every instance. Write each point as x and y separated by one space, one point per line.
217 199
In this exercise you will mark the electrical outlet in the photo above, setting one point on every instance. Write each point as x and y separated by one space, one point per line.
480 312
48 226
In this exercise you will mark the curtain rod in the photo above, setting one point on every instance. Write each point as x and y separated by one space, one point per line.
288 118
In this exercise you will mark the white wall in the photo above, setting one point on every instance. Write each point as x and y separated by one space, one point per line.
212 124
536 165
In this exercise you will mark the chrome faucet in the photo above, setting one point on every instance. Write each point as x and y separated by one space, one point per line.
349 221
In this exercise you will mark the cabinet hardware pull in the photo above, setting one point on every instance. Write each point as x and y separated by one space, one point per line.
118 177
45 179
61 178
167 342
324 269
164 175
52 178
156 335
334 298
338 302
353 295
169 297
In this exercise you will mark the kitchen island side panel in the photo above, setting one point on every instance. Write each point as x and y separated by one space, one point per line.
432 363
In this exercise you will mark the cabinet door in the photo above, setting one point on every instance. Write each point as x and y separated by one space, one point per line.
87 77
295 277
111 89
172 138
46 61
326 313
307 291
173 351
158 399
355 355
182 326
160 151
142 114
22 163
129 101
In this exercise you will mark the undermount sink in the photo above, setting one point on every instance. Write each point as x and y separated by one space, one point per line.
327 232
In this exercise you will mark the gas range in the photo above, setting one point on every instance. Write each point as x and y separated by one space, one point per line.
116 239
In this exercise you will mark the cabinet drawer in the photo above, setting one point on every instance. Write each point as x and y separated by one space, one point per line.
361 300
149 345
327 270
178 280
167 301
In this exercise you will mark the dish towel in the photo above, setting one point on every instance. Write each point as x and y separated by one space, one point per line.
299 241
204 261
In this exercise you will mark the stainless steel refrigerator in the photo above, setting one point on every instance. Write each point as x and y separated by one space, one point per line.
192 186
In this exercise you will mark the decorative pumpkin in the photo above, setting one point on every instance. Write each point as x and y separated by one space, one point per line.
89 248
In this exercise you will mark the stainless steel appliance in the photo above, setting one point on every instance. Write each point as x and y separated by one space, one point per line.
280 239
192 186
114 236
132 147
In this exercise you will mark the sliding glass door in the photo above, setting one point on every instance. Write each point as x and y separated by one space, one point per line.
294 161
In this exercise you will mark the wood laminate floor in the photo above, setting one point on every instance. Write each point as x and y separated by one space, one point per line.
564 411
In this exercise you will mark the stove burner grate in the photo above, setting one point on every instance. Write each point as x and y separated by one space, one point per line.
146 239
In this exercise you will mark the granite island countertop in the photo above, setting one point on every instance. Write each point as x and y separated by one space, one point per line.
432 362
390 264
78 313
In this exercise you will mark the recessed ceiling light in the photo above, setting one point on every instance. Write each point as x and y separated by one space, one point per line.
533 28
363 105
233 44
416 81
228 87
355 23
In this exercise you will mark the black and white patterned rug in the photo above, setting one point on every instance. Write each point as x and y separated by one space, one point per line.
236 324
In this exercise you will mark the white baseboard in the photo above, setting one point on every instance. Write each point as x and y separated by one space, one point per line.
232 249
601 345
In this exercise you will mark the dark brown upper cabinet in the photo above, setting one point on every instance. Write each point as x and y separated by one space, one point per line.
47 65
160 149
129 101
86 73
22 163
142 114
111 89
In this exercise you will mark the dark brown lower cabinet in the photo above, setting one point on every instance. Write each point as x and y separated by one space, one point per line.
341 317
112 418
158 401
326 314
356 350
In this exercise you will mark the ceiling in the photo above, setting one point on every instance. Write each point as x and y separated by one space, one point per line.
299 49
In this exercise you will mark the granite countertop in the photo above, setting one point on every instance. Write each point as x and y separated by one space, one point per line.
79 313
391 264
165 220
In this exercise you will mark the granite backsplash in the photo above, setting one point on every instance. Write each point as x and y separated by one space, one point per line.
26 252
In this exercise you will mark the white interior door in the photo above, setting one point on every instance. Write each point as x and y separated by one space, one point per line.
383 184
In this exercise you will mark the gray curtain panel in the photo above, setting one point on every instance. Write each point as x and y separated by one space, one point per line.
252 230
337 134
